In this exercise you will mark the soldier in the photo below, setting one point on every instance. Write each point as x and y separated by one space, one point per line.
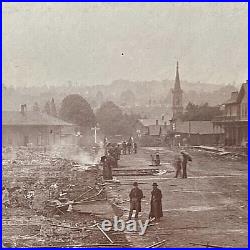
156 205
177 165
135 200
186 158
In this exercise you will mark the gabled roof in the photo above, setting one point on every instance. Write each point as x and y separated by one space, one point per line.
233 99
243 91
31 118
236 97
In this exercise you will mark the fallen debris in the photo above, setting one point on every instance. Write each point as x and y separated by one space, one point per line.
158 244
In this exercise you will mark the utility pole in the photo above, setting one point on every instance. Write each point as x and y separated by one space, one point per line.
95 129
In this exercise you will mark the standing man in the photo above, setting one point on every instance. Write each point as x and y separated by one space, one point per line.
124 148
186 157
177 165
156 205
135 201
157 159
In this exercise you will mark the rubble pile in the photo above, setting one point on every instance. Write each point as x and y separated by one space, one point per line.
40 195
220 154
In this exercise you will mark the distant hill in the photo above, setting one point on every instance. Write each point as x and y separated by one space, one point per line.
122 92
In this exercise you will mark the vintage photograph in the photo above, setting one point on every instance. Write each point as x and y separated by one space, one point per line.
125 125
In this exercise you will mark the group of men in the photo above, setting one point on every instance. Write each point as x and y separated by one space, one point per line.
136 196
129 147
113 153
180 164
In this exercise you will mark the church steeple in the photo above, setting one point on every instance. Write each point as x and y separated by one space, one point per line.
177 107
177 85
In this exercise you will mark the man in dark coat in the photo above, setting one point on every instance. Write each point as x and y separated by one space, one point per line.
106 162
135 200
186 158
124 148
135 147
177 165
156 205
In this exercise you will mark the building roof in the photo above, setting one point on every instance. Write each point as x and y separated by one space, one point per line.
236 96
151 122
197 127
243 91
31 118
233 99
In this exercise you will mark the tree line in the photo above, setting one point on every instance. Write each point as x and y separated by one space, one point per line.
75 109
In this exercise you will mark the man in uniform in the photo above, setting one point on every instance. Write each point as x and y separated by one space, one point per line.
135 201
156 205
186 158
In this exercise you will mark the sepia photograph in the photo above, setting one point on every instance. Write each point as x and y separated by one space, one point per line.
125 125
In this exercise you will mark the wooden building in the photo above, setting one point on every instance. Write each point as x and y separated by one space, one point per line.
196 133
151 132
235 118
24 128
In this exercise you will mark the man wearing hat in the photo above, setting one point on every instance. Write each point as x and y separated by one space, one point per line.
135 200
156 205
186 158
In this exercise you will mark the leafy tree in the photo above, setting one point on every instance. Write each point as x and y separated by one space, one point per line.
76 109
109 116
36 107
47 108
53 108
200 112
113 122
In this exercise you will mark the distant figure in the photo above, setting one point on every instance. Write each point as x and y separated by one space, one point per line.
124 148
186 157
177 165
157 159
129 146
135 200
152 160
118 150
135 147
156 205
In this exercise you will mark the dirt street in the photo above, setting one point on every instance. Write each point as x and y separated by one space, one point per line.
210 207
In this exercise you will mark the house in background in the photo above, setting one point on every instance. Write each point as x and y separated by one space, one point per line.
196 133
23 128
235 118
151 132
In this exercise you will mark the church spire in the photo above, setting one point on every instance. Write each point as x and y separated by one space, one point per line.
177 85
177 96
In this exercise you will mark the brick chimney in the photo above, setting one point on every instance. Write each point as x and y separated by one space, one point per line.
23 109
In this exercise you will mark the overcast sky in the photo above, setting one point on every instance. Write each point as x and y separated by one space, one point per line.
96 43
